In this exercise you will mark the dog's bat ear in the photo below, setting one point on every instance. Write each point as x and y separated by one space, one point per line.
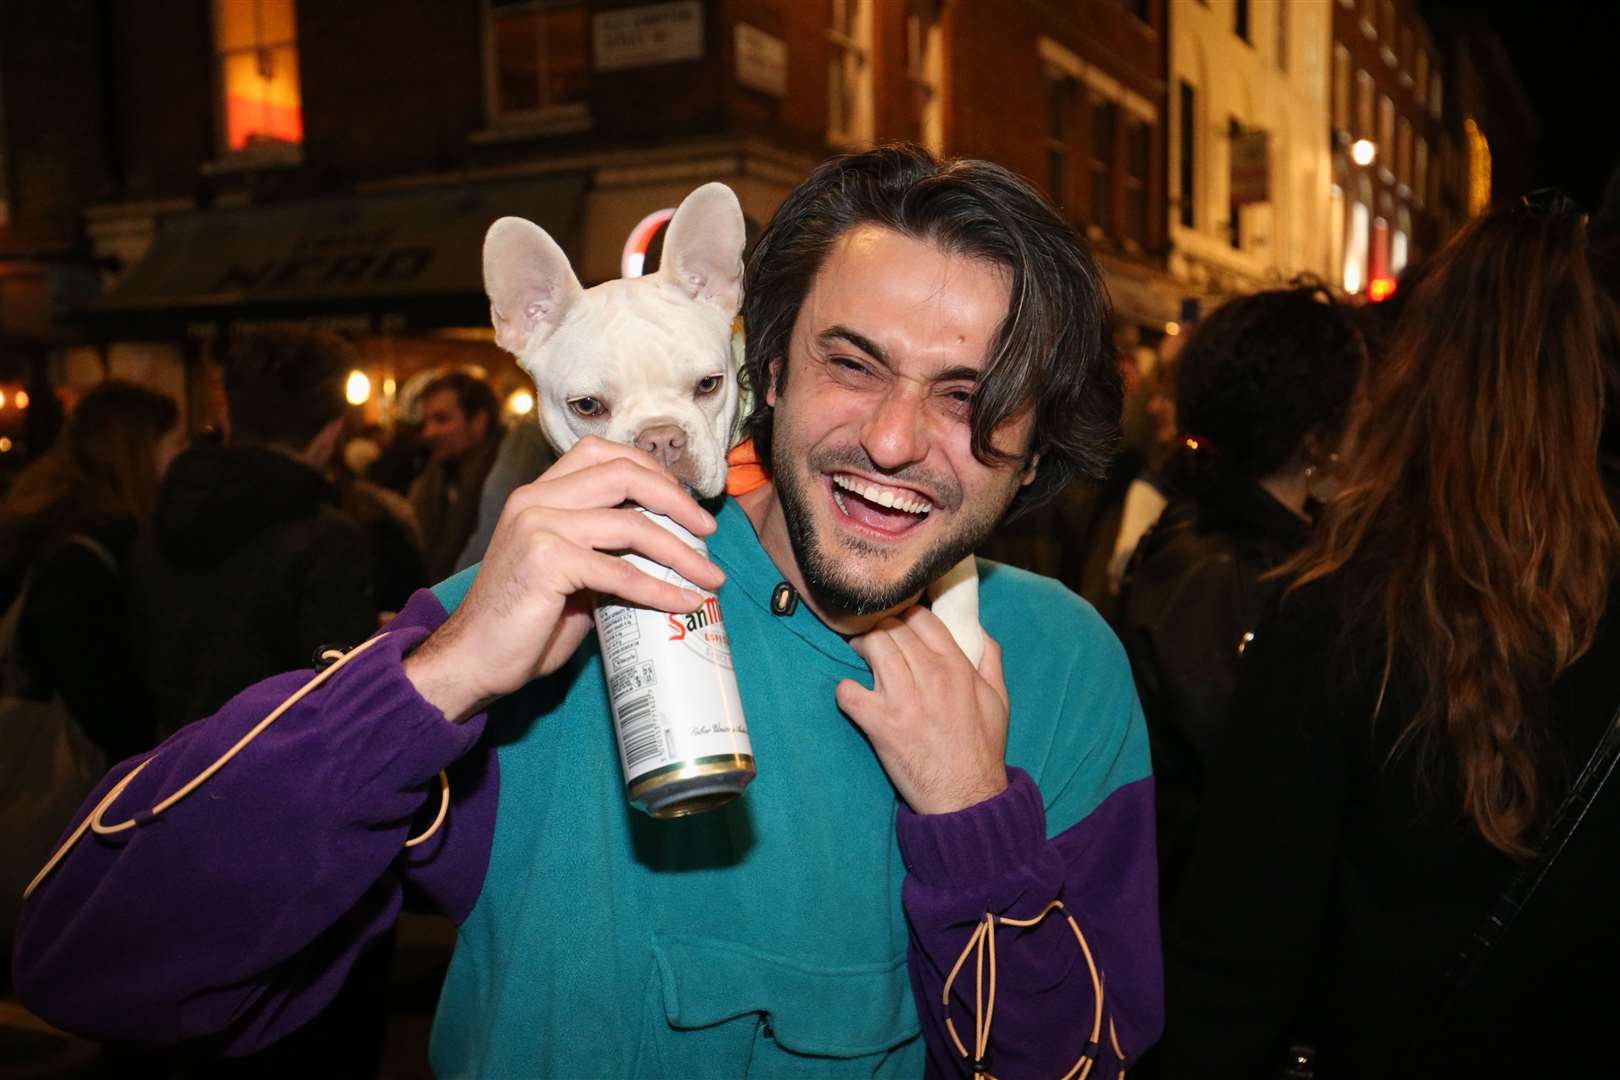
703 248
529 282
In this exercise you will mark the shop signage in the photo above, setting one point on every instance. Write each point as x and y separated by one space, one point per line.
653 34
1251 167
761 61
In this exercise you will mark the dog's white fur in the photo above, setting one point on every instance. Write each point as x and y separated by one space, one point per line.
643 348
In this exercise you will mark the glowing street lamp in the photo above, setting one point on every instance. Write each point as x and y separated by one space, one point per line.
1363 152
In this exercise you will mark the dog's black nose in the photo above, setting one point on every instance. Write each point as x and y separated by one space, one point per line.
666 442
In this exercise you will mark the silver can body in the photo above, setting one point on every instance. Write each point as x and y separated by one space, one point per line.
683 740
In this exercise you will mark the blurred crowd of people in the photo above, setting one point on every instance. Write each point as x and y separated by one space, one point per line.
148 581
1375 632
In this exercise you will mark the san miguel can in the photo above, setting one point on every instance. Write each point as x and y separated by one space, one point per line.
683 741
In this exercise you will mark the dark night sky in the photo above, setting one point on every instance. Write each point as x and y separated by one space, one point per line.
1565 57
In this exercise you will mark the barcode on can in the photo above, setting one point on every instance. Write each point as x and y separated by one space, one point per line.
639 732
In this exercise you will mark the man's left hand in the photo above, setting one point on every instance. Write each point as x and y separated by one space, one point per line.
939 727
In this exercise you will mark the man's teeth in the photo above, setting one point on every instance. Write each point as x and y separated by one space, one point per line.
883 496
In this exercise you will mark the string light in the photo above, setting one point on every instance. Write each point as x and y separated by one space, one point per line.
520 403
21 399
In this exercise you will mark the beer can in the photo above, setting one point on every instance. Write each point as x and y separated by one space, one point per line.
683 741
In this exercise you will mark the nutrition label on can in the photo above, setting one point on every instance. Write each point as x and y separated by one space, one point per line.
670 681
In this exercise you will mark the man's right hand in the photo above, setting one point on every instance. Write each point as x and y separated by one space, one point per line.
530 605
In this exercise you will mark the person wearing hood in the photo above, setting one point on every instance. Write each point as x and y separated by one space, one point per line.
249 566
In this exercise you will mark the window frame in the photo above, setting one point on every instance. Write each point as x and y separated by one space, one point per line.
549 117
269 155
851 51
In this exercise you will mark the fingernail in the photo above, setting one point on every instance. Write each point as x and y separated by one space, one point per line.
694 600
708 518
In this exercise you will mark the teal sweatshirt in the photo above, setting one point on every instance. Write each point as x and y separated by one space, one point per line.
784 935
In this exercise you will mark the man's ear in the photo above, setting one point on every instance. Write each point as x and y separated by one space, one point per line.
773 371
529 282
703 248
1029 470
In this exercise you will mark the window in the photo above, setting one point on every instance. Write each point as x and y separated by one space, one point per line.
1341 88
1403 153
1059 102
1189 129
1282 35
924 66
1420 77
849 76
1420 172
1103 116
1136 176
1234 129
1386 131
539 59
1386 30
1240 18
1406 56
1364 105
256 52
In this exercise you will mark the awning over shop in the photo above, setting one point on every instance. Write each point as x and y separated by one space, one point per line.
414 253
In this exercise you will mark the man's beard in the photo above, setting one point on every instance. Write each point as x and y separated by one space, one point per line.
825 574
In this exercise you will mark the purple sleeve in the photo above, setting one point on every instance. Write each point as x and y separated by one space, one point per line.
995 857
237 914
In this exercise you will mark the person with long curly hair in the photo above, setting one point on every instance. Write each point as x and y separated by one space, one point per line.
1444 659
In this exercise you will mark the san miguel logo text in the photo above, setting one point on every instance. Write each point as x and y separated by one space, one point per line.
693 621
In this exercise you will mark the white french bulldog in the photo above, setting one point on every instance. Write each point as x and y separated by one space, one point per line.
648 361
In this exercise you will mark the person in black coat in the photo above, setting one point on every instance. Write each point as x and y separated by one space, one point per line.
249 566
1411 715
1262 389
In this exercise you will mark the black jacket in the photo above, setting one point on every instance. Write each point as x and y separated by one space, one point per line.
74 636
1329 895
1193 590
247 569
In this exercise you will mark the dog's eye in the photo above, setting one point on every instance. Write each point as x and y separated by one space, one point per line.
588 407
709 384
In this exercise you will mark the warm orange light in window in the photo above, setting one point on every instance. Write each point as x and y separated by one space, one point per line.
258 52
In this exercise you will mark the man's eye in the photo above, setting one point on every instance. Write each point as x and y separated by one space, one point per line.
708 385
588 407
847 366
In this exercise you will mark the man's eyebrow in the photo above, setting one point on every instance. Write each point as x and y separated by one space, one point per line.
860 341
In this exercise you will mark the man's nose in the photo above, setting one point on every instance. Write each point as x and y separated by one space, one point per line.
666 442
896 433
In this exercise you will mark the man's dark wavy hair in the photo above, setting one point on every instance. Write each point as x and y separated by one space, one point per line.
1052 350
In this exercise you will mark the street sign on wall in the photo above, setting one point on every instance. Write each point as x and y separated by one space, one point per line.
652 34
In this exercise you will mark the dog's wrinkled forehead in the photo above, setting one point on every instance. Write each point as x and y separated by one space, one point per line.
636 325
